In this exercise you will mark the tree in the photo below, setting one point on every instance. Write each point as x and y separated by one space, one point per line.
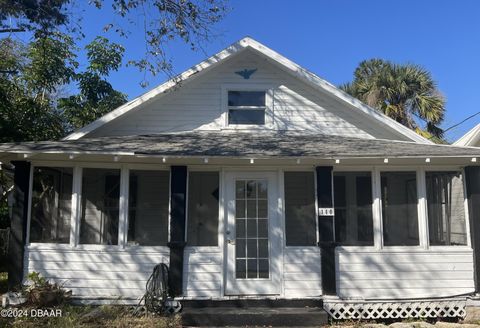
30 105
406 93
39 15
27 97
97 96
162 22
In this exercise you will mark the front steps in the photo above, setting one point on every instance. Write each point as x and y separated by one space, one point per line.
274 313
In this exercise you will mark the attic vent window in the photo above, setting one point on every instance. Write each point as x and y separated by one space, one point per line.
246 107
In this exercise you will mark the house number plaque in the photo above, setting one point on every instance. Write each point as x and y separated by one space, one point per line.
326 211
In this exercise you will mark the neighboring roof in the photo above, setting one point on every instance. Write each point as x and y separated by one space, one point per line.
248 43
471 138
259 145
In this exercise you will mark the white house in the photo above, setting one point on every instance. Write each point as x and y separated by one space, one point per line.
470 139
251 177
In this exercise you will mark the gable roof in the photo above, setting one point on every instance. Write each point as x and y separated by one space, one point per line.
236 48
471 138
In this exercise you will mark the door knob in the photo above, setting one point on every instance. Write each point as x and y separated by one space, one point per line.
231 241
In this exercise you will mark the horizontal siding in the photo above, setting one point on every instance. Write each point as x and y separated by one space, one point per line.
302 272
371 274
202 273
113 272
197 105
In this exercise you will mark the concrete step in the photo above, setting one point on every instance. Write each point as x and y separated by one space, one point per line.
254 303
254 316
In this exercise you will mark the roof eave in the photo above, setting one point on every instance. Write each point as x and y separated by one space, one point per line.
247 42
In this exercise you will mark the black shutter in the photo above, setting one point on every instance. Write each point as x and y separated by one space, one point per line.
326 227
18 223
472 179
178 198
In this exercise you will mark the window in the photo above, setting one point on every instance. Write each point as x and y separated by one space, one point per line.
202 229
51 205
399 208
246 107
148 205
446 211
353 208
300 219
100 206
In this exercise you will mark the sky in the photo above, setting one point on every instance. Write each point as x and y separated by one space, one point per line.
330 38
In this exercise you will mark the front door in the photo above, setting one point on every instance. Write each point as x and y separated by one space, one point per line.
253 234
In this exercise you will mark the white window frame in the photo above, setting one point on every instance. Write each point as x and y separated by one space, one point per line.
281 187
422 206
421 219
376 227
269 110
465 204
126 193
76 202
219 233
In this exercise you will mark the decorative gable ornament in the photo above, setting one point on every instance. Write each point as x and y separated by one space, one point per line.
246 73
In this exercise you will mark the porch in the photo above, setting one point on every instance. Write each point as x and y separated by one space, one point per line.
324 217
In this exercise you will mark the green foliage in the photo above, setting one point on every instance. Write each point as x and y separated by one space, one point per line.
42 293
189 21
52 62
104 56
163 21
96 95
39 15
37 280
27 94
3 281
407 93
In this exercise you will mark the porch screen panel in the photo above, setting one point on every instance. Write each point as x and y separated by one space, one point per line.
148 205
300 220
202 222
446 210
353 208
251 229
100 206
399 208
51 205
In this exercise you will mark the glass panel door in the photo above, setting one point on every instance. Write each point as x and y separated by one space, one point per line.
251 226
253 234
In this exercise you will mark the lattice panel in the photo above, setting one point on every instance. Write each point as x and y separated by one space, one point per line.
395 310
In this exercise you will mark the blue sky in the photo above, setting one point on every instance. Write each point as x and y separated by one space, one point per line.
330 38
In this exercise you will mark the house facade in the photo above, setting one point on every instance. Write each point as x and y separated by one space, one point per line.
250 177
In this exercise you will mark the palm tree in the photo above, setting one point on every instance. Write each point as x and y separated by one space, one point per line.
406 93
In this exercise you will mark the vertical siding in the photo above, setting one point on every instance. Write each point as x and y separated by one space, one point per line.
302 272
405 273
110 273
197 105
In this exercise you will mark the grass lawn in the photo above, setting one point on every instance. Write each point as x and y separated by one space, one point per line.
104 316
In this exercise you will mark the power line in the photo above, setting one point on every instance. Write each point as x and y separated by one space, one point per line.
463 121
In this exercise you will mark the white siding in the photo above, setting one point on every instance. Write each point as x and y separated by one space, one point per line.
197 105
112 272
405 273
302 272
202 272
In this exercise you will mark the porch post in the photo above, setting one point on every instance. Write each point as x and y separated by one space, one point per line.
472 182
178 197
18 223
326 227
